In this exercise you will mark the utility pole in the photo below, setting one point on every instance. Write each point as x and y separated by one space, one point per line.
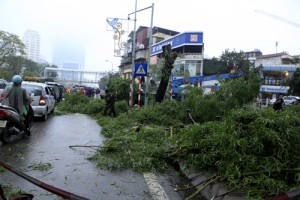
133 57
133 51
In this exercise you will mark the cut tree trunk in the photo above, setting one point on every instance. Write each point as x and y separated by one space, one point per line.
169 57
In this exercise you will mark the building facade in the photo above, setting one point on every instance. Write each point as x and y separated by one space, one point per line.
276 70
32 39
142 47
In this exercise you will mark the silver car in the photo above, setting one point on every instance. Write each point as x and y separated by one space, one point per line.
3 84
290 100
42 98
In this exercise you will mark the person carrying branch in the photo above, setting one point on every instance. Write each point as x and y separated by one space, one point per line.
110 99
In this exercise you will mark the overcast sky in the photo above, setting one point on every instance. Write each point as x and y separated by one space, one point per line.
226 24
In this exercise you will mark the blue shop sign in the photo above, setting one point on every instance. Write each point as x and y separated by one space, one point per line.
274 89
186 38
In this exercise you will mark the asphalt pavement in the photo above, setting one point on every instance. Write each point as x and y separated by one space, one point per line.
46 155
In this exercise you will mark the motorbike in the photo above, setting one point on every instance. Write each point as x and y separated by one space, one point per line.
10 124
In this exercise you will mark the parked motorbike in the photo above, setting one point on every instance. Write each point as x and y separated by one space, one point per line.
10 124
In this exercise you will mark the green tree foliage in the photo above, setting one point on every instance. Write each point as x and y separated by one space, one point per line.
295 83
235 93
10 45
15 64
214 66
254 150
32 68
20 65
236 61
115 83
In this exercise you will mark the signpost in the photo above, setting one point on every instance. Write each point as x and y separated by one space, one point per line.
140 70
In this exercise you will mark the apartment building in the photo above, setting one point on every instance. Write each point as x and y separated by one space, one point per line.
142 47
32 39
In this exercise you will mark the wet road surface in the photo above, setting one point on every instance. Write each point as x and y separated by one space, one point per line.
69 168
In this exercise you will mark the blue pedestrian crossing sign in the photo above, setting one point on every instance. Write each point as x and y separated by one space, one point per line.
140 70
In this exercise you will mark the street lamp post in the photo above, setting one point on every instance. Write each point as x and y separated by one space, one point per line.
112 65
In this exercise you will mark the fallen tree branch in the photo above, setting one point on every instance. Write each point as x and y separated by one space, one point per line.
223 194
268 171
201 188
189 187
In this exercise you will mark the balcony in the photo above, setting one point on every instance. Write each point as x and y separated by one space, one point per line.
126 60
141 54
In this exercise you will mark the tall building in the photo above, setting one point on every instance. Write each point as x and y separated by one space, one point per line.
32 39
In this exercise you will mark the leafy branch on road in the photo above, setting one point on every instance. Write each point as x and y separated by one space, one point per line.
41 166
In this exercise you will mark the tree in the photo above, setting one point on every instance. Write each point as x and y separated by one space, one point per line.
169 57
115 83
10 45
15 64
295 83
235 93
31 68
214 66
237 62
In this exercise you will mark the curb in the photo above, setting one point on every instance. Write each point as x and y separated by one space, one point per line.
214 189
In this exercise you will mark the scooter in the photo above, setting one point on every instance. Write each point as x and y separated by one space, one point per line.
10 124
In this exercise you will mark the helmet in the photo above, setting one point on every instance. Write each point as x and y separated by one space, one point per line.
17 79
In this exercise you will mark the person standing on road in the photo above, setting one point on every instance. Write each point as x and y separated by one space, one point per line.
110 99
277 106
17 97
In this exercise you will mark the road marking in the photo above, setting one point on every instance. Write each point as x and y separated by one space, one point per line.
156 190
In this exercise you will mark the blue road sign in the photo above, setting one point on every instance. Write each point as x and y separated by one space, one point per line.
140 70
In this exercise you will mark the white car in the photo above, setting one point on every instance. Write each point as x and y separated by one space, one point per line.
290 100
271 101
3 84
43 100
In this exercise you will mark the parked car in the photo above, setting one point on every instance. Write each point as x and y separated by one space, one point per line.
271 101
3 84
43 101
58 93
290 100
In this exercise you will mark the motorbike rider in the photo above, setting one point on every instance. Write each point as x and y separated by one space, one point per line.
18 98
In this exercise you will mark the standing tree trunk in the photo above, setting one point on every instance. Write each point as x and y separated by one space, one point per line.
169 57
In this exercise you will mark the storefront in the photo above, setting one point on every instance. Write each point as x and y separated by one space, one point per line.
276 80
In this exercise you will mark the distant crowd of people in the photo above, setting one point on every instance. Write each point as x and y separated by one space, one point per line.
88 91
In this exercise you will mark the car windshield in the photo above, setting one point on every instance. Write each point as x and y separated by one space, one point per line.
33 89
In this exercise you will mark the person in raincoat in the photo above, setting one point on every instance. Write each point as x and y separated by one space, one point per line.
17 97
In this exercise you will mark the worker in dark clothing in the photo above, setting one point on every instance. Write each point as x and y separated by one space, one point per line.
110 99
277 106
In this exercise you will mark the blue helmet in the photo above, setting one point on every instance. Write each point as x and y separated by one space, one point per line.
17 79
